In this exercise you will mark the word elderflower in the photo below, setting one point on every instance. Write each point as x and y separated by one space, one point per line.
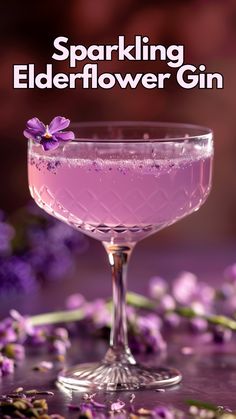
188 76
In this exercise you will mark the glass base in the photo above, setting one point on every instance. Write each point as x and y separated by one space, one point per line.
117 377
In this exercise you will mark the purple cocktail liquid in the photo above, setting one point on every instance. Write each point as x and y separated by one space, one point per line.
118 197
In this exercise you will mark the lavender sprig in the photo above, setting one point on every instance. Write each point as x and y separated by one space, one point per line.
135 300
31 241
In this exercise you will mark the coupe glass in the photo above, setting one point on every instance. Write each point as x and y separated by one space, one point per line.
118 183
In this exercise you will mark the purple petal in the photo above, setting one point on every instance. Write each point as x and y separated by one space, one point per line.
36 125
6 365
184 287
32 135
74 301
49 144
58 123
117 406
157 287
64 136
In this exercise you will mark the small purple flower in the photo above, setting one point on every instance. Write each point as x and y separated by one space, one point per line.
146 336
61 333
74 301
172 319
22 325
6 365
49 136
59 341
167 303
157 287
117 406
39 336
98 312
7 332
58 347
187 290
184 287
199 325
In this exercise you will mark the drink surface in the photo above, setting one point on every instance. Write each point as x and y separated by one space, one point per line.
119 196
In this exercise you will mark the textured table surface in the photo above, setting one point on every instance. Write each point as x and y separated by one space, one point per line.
209 374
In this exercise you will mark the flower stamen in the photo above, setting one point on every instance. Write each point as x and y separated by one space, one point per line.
47 134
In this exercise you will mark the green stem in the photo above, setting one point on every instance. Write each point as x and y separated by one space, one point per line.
139 301
57 317
214 319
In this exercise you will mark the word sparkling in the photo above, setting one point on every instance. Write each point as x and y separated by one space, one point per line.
186 75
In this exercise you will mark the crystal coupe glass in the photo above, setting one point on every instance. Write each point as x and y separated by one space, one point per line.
119 183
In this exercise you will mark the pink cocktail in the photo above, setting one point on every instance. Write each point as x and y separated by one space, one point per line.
119 183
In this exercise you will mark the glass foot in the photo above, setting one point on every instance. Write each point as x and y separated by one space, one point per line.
117 377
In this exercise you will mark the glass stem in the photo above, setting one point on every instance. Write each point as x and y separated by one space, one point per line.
119 351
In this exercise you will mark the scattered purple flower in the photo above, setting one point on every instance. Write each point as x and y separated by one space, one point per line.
117 406
7 332
188 291
22 324
158 287
199 325
167 303
49 136
58 347
227 290
6 365
75 301
39 336
184 287
98 312
61 333
172 319
146 336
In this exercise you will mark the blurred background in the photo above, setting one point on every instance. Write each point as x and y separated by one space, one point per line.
208 31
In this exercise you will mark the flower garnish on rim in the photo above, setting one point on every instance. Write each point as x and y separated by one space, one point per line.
49 136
